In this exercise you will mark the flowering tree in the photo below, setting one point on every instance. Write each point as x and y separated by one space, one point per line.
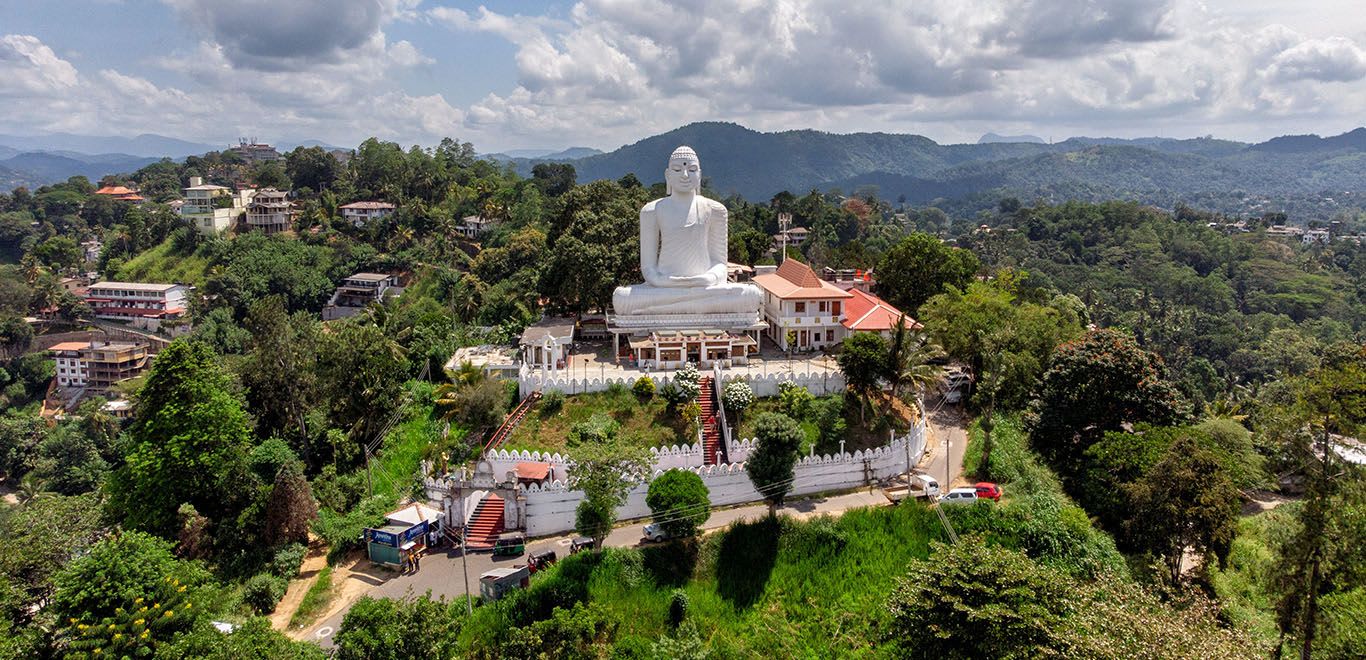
737 396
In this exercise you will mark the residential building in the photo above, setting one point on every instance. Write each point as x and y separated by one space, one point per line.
1282 231
473 226
97 365
1312 236
213 209
121 193
849 278
494 361
358 291
865 312
144 305
92 250
361 213
803 311
254 152
795 236
270 211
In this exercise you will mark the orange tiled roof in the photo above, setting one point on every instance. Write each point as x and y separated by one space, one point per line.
865 311
795 279
115 190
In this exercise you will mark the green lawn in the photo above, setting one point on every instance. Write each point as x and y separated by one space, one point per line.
416 436
648 423
163 264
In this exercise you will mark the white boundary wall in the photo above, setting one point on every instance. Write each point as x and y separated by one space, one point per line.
821 383
550 508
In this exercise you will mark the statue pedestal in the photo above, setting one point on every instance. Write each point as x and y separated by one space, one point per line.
728 321
666 341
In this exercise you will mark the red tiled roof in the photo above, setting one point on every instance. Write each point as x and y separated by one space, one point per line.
367 205
115 190
795 279
533 471
865 311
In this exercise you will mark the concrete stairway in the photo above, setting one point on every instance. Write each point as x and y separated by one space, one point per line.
486 523
711 427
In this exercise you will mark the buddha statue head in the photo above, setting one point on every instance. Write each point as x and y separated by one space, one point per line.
684 173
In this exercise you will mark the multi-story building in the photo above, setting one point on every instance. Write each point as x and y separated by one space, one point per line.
270 211
97 365
865 312
254 152
212 209
358 291
361 213
473 226
142 304
92 250
803 311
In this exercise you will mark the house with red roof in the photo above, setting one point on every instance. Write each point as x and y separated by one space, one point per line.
803 311
865 312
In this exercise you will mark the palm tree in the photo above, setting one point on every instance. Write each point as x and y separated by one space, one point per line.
909 356
30 489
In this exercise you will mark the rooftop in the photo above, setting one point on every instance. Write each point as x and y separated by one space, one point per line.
367 205
370 277
550 326
796 280
135 286
69 346
865 311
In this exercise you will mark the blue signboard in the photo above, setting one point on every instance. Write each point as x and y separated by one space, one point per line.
413 532
382 538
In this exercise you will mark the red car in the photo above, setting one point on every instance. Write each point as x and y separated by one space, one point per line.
988 491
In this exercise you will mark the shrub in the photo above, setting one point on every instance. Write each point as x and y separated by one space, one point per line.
737 396
263 591
687 379
287 560
794 400
678 608
616 389
644 387
598 429
552 402
268 457
673 394
679 501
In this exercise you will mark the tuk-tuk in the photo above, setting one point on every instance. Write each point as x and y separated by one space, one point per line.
510 544
497 582
580 544
539 561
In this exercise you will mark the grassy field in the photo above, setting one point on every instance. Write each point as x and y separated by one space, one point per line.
646 422
163 264
314 600
416 436
777 588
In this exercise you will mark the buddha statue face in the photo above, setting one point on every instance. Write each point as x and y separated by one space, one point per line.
684 173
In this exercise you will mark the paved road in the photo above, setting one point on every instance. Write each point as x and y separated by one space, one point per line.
443 573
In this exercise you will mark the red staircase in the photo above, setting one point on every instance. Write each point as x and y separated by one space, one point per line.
711 428
486 523
513 419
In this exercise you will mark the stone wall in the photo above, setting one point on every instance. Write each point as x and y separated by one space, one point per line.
821 383
550 507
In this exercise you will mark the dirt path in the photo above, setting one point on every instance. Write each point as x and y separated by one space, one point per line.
313 564
352 578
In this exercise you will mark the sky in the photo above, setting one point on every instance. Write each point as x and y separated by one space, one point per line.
603 73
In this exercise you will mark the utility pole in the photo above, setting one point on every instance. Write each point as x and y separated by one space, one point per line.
464 554
369 481
784 223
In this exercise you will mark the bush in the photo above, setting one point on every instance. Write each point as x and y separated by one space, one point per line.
268 457
644 387
552 402
616 389
678 608
263 591
679 502
598 429
687 379
737 396
794 400
288 559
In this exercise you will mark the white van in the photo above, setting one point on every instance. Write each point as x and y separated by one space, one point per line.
923 485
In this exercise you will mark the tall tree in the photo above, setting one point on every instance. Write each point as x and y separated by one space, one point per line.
280 373
679 502
921 266
863 360
188 443
909 356
1097 384
771 466
290 509
605 472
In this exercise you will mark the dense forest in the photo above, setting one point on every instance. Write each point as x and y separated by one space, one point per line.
1141 377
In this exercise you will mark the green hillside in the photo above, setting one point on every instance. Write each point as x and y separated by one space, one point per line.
164 264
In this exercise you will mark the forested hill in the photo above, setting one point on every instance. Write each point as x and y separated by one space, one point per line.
758 165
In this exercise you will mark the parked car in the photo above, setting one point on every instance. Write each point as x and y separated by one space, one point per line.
988 491
921 485
579 544
497 582
960 496
656 533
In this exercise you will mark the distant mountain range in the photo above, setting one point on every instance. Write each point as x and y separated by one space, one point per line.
758 165
37 168
542 155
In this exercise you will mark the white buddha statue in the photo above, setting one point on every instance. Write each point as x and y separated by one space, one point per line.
683 239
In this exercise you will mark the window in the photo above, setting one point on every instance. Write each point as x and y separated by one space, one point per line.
835 308
822 306
801 308
830 335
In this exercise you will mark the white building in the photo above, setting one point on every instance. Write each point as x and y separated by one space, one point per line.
98 365
270 211
142 304
212 209
473 226
358 291
70 368
803 311
361 213
1312 236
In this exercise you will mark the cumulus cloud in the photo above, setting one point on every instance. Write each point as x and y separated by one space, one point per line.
271 35
837 65
29 67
